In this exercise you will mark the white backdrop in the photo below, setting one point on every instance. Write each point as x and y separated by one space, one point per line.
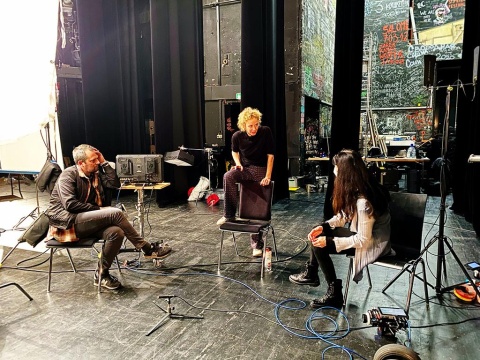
28 37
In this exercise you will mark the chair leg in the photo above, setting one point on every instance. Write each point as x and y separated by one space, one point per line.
274 243
405 268
220 251
424 281
368 277
100 269
262 264
71 260
413 272
347 283
410 286
52 250
235 244
118 264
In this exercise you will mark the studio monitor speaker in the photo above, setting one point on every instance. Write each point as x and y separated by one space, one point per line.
429 70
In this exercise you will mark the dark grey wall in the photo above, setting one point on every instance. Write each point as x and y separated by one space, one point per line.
222 54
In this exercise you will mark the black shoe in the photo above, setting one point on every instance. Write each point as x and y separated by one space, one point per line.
108 281
307 277
333 297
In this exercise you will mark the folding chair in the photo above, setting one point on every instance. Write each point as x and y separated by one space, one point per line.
407 211
85 243
254 217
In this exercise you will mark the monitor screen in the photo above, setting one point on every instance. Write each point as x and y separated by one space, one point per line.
140 168
392 311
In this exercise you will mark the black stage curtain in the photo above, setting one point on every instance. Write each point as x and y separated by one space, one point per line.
178 96
347 83
466 179
113 120
263 76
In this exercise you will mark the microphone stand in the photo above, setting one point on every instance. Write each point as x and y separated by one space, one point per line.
169 314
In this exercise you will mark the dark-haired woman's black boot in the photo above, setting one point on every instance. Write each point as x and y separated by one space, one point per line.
333 297
307 277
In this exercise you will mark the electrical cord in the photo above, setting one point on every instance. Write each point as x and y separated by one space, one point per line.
282 305
315 316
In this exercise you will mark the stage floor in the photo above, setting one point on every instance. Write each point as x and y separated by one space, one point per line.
239 309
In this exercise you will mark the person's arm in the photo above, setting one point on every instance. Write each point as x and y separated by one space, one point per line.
364 232
108 175
268 176
236 159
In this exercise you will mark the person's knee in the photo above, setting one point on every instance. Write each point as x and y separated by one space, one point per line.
233 176
117 214
114 233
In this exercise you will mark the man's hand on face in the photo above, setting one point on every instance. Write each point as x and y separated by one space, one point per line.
101 159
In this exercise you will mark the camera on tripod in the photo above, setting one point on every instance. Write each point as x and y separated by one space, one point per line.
388 320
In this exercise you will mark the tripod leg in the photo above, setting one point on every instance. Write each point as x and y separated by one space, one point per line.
160 323
31 214
463 269
8 254
18 287
181 316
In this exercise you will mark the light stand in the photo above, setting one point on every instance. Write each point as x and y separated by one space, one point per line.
209 152
169 314
36 212
441 238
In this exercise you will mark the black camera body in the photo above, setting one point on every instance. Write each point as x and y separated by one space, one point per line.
387 320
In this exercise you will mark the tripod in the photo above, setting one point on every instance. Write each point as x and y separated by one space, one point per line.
441 238
169 314
210 160
33 214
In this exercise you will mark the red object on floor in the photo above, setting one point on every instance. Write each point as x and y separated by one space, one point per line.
190 190
212 199
465 292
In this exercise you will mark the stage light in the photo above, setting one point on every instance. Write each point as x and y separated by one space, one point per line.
179 158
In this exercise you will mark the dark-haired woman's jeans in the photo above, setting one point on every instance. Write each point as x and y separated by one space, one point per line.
320 257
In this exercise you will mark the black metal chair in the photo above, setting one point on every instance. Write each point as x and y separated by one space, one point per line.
407 211
254 217
86 243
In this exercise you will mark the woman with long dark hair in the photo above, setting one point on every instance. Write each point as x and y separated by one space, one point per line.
361 202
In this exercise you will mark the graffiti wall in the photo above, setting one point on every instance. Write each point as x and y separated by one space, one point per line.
399 43
318 43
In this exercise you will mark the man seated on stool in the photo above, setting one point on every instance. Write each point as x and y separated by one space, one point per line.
80 207
253 152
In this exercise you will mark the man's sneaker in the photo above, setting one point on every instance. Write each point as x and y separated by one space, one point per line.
108 281
158 250
223 220
257 253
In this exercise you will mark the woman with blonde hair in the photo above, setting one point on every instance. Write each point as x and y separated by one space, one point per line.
253 151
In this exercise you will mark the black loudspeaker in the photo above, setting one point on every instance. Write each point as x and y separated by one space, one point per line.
413 181
429 70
